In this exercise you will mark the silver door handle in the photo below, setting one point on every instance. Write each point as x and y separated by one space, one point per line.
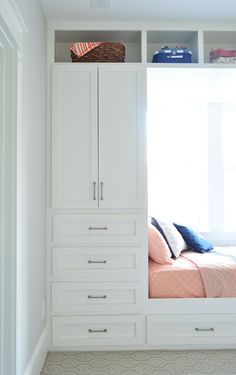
97 297
97 261
205 329
101 191
98 228
94 190
97 330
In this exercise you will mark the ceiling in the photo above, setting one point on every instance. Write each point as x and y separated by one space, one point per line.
219 11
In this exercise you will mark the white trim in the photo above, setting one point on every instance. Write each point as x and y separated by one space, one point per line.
215 167
8 204
38 357
119 25
221 238
1 210
160 346
10 14
17 14
11 31
217 234
18 220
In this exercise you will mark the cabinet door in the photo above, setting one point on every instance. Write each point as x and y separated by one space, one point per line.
74 136
122 108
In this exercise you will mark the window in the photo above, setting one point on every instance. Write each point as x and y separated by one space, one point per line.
192 147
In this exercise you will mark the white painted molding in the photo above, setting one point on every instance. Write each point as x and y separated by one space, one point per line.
119 25
8 104
20 21
9 12
38 357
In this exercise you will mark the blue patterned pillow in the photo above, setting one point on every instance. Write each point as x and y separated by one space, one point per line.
194 240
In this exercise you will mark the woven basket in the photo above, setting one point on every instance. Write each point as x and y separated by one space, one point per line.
105 52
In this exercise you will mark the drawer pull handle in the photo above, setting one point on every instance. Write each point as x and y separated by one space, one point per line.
101 191
205 329
94 191
97 330
98 228
98 297
97 261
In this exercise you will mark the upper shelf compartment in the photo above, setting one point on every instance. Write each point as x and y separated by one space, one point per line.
65 38
141 44
218 39
159 38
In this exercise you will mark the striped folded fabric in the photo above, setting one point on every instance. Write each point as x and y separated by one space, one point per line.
81 48
220 52
223 60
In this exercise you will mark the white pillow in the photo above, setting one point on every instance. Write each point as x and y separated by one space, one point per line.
172 237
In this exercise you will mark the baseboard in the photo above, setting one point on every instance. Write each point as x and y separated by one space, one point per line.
37 359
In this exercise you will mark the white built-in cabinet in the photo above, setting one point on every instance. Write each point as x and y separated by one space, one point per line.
98 205
97 132
98 274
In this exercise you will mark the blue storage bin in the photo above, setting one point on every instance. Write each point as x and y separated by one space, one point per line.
172 55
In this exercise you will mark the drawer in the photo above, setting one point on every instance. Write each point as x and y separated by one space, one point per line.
99 297
91 263
103 229
99 330
191 329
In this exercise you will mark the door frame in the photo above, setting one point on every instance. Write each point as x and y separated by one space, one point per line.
9 116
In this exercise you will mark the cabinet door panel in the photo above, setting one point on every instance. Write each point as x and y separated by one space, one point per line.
121 136
74 137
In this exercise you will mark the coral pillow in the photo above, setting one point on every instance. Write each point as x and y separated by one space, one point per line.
158 249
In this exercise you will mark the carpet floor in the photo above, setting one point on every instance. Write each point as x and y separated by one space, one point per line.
204 362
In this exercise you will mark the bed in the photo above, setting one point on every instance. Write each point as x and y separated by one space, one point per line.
195 275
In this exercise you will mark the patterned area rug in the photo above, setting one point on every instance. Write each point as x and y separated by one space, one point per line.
207 362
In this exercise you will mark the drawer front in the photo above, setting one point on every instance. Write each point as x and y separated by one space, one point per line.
99 297
191 329
99 330
90 263
97 229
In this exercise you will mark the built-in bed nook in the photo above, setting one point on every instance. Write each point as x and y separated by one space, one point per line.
191 169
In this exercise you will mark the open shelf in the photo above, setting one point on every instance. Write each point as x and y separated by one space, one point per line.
218 39
140 43
158 38
65 38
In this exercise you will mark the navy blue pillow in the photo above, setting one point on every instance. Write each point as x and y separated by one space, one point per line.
193 239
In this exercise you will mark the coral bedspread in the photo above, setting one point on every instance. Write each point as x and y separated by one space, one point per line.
195 275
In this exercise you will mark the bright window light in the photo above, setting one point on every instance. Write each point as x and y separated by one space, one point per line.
191 147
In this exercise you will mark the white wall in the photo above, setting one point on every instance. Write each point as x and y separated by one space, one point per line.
33 179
